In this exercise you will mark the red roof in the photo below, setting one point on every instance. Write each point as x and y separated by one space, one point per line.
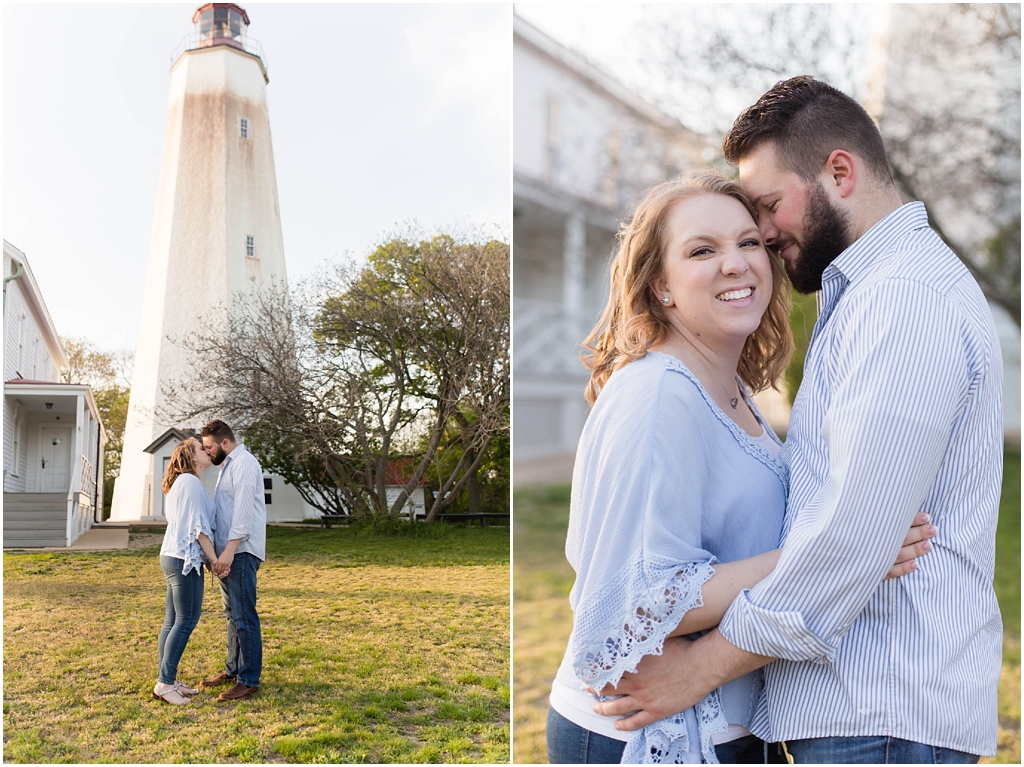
400 470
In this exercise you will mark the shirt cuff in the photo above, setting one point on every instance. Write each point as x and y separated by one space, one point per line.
771 633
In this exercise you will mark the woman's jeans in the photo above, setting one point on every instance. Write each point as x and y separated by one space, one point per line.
245 639
568 743
184 605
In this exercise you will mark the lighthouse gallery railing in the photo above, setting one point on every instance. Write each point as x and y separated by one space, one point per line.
196 40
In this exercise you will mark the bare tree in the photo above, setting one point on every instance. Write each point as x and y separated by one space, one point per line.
947 98
363 371
951 122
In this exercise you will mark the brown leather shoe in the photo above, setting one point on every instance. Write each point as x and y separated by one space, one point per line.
238 692
216 681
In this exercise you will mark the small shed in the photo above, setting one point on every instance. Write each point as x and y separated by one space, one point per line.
397 472
161 449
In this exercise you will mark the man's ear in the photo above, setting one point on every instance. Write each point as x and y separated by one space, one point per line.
840 172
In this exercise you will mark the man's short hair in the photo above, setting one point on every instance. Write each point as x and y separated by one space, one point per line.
219 430
806 120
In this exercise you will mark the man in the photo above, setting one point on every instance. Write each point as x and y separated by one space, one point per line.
239 538
900 409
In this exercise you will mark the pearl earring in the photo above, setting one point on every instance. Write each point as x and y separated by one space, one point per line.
665 299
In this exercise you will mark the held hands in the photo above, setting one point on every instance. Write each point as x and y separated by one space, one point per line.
222 566
915 545
212 566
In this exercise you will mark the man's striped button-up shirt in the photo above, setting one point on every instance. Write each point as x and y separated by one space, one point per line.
241 506
900 410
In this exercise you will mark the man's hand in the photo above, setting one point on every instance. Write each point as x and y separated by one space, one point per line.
222 566
676 680
226 558
658 688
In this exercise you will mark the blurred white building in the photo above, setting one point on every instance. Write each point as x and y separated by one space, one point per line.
584 150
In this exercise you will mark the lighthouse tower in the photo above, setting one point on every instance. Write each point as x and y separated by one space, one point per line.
216 232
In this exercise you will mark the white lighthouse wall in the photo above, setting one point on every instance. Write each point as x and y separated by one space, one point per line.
216 189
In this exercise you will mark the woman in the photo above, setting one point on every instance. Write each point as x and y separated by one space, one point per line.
187 544
679 496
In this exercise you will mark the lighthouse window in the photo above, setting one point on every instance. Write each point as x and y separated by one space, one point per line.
245 128
250 246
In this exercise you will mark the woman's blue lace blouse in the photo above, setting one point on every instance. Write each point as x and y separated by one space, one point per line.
189 509
664 486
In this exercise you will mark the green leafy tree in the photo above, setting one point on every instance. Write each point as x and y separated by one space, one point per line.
109 375
334 385
487 489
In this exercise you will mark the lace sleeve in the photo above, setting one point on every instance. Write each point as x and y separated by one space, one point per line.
630 617
195 523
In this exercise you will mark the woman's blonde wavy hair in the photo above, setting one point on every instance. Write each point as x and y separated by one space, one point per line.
634 320
183 461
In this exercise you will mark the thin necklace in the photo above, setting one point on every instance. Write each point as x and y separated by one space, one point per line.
733 401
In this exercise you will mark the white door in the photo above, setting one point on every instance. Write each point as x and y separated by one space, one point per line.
55 452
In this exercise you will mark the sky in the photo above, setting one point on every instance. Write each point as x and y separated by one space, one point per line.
382 116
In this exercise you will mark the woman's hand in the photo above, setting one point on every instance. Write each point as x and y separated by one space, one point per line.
915 545
207 546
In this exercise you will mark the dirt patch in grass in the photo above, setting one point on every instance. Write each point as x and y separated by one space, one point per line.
144 540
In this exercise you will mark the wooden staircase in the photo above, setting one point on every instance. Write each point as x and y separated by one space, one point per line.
35 520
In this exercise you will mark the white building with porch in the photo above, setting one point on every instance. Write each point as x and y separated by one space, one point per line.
53 435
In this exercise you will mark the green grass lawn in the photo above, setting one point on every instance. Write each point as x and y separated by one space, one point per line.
542 621
377 648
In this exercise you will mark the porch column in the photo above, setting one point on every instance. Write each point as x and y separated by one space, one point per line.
97 469
573 276
76 468
574 261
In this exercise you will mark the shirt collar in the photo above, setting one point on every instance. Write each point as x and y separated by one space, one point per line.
239 447
859 259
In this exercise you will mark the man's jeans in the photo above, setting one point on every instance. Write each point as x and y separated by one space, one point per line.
183 607
872 750
245 640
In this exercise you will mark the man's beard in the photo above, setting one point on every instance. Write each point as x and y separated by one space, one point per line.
826 235
218 457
